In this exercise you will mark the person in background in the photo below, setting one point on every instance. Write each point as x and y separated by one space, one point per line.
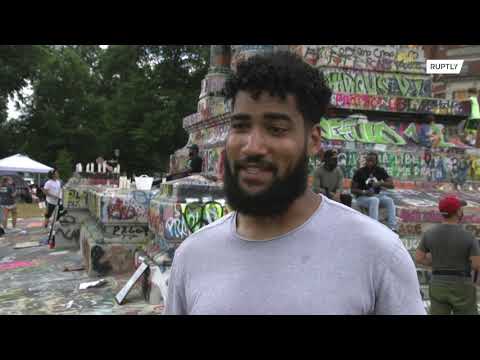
367 185
473 123
7 201
194 164
468 128
328 179
53 192
452 252
195 161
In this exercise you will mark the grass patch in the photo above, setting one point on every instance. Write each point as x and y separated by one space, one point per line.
27 211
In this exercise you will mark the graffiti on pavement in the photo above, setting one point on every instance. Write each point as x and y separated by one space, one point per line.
15 265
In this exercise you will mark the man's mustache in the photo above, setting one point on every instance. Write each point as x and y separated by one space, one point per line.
256 161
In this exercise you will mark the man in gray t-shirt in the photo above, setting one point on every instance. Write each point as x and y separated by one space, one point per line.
285 249
328 179
453 252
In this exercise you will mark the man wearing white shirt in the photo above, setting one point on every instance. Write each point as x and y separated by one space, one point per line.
53 192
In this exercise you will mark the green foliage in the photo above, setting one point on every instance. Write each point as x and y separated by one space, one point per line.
88 101
64 164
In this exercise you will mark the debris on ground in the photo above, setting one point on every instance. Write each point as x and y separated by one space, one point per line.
69 305
120 297
44 240
27 245
60 252
73 268
93 284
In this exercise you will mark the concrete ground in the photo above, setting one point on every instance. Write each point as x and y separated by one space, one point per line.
33 280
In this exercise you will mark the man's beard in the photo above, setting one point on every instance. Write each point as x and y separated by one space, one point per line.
273 201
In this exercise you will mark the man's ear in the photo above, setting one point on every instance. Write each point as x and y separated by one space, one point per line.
314 140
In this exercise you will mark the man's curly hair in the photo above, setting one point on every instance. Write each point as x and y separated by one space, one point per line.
281 74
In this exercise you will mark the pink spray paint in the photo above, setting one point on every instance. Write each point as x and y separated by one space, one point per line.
15 264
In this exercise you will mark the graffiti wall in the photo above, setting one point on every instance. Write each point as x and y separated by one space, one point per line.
416 216
67 230
398 104
210 136
172 223
75 198
191 120
182 207
243 52
212 106
125 233
377 83
131 207
438 165
431 135
212 85
394 58
408 150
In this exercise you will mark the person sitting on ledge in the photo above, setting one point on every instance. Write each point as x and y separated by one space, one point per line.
195 162
194 165
328 179
367 184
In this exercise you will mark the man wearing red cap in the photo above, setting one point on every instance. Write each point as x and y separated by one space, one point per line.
452 252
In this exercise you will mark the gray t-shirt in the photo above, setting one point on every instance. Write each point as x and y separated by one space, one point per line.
330 180
338 262
451 247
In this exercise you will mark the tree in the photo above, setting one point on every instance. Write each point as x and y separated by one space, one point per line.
64 109
18 63
64 164
88 101
149 89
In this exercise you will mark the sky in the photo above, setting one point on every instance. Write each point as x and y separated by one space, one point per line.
11 111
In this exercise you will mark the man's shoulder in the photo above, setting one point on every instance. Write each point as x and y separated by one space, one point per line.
381 170
363 229
320 170
206 237
360 171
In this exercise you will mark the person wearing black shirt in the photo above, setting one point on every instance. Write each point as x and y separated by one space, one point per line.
367 184
7 201
195 162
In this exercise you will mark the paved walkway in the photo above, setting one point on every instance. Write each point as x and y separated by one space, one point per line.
33 280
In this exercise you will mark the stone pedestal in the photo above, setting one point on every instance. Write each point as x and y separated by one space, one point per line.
103 259
180 208
107 224
67 230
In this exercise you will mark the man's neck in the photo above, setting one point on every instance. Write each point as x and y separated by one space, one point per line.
261 228
450 221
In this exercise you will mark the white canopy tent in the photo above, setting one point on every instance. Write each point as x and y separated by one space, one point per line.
23 163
